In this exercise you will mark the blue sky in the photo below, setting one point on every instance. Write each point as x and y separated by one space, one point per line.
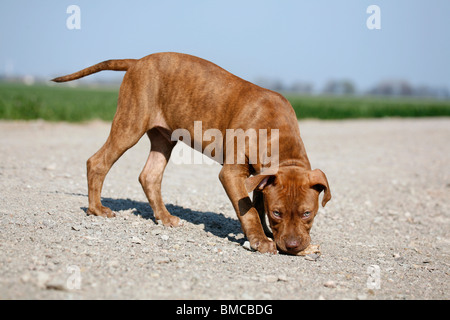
286 40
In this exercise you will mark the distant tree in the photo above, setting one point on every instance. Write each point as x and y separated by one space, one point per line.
339 87
302 87
393 88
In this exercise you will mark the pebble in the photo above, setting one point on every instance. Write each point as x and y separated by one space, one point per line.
282 277
56 284
43 281
49 223
165 237
50 167
330 284
25 277
247 246
156 232
161 260
271 278
312 257
136 240
38 278
114 263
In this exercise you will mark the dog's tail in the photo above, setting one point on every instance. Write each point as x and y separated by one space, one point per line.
116 65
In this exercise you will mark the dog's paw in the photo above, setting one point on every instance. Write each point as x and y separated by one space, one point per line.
102 212
264 246
171 221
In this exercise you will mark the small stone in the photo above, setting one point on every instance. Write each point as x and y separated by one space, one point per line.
162 260
56 284
156 232
48 223
26 277
330 284
136 240
312 257
145 250
282 277
41 279
239 236
114 263
271 278
165 237
247 246
50 167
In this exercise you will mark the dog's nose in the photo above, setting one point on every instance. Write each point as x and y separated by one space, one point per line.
292 243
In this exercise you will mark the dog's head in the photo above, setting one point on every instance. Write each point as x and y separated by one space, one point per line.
291 201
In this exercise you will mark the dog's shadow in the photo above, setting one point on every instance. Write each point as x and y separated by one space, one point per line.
215 223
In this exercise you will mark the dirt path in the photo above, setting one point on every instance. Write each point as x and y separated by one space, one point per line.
384 235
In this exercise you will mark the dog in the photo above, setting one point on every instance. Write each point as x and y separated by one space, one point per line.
163 92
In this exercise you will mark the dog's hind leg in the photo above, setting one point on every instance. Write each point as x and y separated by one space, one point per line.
151 176
126 130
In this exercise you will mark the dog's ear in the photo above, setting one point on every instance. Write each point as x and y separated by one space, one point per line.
318 180
262 180
258 182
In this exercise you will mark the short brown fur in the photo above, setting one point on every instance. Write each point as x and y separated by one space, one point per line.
163 92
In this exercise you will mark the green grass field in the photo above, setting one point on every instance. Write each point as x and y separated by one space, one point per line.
56 103
62 103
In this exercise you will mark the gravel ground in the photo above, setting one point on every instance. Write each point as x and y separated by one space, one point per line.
384 235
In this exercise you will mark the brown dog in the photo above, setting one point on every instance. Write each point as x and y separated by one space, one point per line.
167 91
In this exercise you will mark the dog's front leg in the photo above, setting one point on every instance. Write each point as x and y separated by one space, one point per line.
233 178
258 203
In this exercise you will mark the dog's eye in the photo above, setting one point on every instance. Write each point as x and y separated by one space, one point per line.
307 214
276 214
